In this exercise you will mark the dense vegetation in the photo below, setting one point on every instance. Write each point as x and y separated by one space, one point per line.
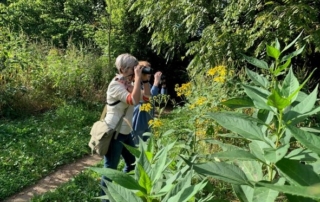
257 59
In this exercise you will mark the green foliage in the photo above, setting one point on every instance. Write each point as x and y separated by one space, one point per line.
60 21
211 31
82 187
153 180
34 147
273 135
41 76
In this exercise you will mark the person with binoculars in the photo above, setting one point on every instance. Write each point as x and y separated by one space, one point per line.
141 118
122 96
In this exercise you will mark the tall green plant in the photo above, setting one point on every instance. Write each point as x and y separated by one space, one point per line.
153 180
281 157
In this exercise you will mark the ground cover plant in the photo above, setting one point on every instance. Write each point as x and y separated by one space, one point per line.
33 147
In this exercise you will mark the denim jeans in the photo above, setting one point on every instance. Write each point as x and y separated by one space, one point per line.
112 158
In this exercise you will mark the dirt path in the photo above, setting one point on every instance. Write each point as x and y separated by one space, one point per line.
55 179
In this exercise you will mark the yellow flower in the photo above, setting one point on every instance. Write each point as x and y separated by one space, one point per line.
200 101
155 123
212 71
145 107
185 89
219 79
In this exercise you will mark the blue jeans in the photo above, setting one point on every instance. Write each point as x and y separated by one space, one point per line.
117 149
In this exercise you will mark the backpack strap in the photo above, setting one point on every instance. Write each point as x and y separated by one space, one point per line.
119 123
115 103
104 111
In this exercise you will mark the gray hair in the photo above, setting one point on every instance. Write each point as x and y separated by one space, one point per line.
125 61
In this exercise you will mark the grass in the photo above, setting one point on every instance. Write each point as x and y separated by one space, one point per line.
83 187
35 146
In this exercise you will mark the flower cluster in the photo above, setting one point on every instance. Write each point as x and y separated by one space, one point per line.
155 123
185 89
145 107
198 102
218 73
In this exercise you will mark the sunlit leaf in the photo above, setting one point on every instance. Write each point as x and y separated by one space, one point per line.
257 78
256 62
309 140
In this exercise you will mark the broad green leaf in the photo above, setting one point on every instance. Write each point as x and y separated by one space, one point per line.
159 166
307 103
144 180
297 173
311 130
242 124
168 132
257 148
292 43
252 169
277 101
290 84
304 106
235 103
150 147
294 95
167 148
262 194
266 117
259 97
235 155
185 194
302 154
133 150
273 52
145 163
120 178
276 44
282 67
302 117
256 62
307 139
170 180
222 171
107 192
243 192
309 191
274 155
119 193
299 198
291 55
183 183
316 166
257 78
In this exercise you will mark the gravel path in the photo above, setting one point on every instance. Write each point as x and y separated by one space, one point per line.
55 179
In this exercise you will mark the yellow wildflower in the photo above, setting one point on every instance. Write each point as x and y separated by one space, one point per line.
219 79
155 123
200 101
212 71
145 107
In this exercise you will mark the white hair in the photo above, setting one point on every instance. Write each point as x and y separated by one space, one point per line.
125 61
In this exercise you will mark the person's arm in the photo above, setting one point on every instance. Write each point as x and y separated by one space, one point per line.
163 89
156 83
139 77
